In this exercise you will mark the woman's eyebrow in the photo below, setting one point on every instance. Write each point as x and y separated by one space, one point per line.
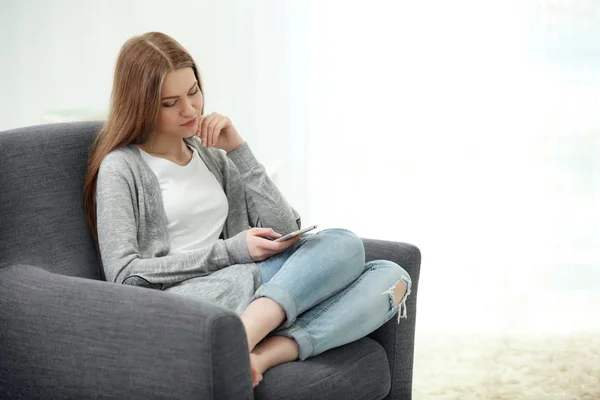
174 97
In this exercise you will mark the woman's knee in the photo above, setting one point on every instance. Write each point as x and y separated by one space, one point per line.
344 242
398 279
346 247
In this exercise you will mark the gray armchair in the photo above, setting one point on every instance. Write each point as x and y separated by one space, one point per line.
66 334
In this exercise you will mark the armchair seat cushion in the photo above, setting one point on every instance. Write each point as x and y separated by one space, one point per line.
358 370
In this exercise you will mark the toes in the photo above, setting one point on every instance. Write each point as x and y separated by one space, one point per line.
256 376
256 379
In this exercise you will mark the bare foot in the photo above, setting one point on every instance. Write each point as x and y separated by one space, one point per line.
270 352
256 371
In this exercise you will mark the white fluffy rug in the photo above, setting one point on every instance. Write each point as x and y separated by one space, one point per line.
514 367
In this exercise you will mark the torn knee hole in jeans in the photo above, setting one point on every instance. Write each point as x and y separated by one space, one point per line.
400 290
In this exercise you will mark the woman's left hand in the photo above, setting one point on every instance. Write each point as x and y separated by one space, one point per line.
216 130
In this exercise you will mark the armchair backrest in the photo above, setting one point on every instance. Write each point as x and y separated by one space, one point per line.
41 210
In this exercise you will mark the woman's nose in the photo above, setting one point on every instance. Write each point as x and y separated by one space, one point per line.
188 109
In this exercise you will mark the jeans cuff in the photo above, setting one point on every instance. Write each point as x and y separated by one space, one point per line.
305 344
281 296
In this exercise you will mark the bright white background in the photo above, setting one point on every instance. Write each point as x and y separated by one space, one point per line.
469 128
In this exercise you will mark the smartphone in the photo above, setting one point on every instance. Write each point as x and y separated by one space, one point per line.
294 234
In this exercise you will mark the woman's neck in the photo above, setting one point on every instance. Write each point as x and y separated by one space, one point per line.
174 149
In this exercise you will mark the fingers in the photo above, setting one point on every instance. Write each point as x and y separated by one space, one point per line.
290 242
204 124
215 128
211 131
210 127
262 232
278 247
261 248
201 125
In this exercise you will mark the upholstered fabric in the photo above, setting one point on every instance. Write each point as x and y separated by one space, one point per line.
64 337
41 210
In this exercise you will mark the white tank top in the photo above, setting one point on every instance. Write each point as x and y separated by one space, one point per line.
195 203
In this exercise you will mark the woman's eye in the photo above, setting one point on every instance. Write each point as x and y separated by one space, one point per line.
195 92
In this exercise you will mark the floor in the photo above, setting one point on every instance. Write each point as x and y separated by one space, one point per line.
521 346
507 367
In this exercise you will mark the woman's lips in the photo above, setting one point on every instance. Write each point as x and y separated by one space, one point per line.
190 123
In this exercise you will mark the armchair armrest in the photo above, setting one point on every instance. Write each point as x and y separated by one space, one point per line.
66 337
398 340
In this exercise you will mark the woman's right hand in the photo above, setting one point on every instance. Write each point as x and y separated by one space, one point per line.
261 248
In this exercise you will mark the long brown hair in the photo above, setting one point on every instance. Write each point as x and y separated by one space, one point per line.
141 67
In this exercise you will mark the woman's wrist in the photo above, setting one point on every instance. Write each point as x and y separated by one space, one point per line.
236 143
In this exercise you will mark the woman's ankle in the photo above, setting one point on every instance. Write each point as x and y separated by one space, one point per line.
275 350
260 318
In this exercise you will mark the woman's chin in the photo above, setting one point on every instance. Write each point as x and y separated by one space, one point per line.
188 132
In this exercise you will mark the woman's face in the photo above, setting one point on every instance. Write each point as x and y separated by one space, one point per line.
180 104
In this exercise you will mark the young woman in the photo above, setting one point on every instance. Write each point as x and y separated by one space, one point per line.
176 201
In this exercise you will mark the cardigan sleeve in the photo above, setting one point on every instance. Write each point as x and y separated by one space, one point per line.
266 205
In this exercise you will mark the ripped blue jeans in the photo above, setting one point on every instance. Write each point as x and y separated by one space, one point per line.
329 294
